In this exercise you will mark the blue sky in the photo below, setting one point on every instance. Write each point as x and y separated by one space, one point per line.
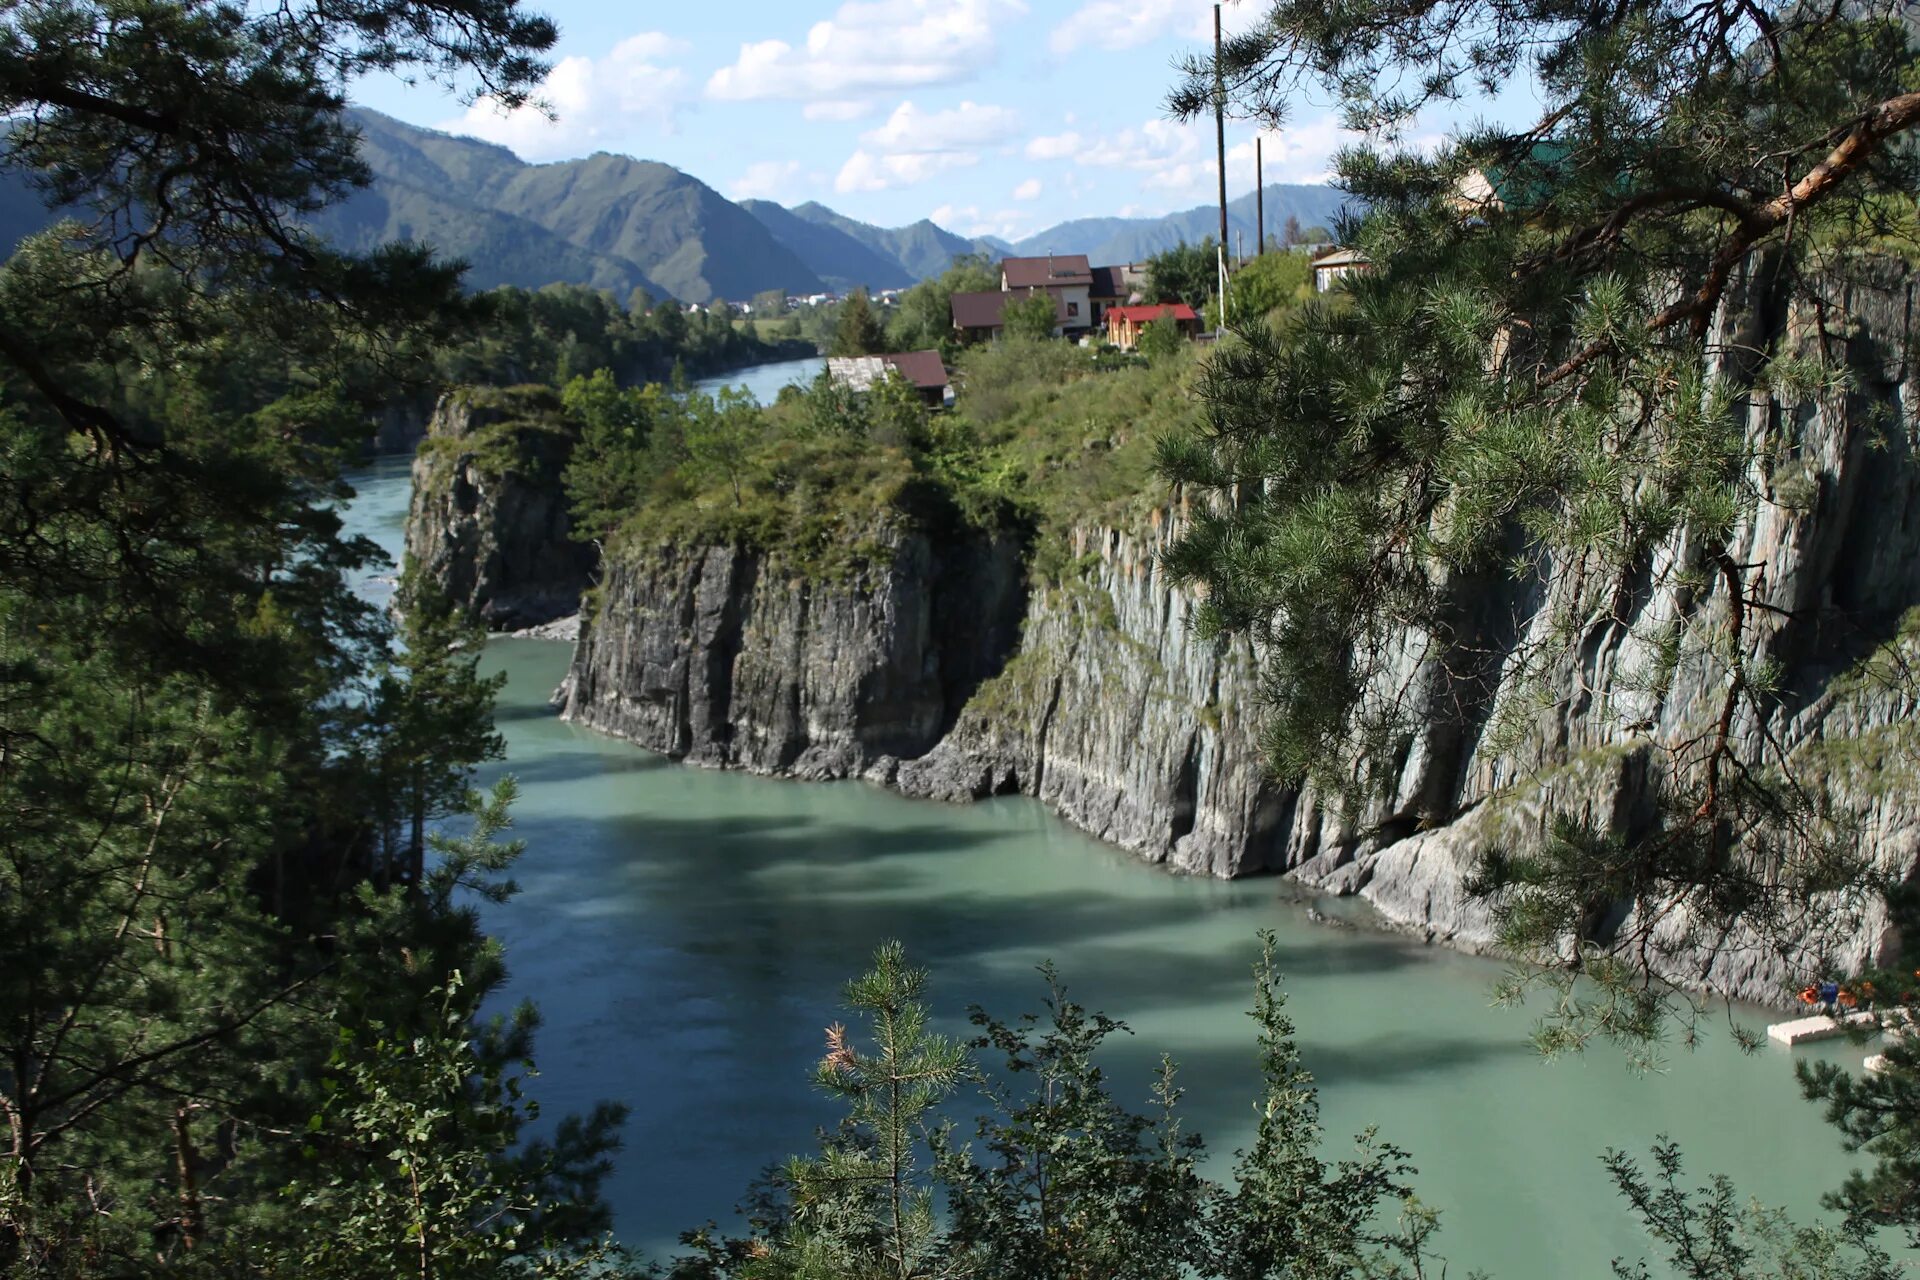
990 116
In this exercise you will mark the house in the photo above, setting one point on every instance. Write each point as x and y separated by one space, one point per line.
1064 275
1331 268
977 316
924 370
1114 287
1525 181
1124 322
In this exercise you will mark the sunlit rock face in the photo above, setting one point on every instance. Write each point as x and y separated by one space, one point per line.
489 522
937 666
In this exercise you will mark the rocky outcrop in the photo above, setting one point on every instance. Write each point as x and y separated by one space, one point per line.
732 657
489 521
1115 714
1112 711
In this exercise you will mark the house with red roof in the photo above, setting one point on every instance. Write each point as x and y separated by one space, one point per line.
1124 323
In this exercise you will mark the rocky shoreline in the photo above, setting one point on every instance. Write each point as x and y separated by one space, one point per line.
941 669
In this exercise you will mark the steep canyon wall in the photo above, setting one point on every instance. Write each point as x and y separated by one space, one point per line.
937 668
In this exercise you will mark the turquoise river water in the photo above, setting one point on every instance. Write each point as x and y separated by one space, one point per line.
685 933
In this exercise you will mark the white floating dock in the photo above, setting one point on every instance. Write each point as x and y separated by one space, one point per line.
1820 1027
1876 1063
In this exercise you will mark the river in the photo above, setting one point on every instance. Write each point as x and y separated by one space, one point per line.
685 933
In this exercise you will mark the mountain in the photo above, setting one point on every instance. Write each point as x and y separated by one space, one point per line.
922 249
1114 240
605 218
844 261
500 248
615 223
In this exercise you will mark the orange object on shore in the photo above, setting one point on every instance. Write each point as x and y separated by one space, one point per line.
1809 995
1849 999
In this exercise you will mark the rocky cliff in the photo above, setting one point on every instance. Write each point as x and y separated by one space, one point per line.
732 657
934 666
489 518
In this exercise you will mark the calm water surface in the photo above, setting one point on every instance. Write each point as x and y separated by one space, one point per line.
765 380
685 933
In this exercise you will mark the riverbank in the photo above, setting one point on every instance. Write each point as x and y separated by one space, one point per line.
686 932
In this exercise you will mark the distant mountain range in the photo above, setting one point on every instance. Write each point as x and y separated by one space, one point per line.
615 223
1114 240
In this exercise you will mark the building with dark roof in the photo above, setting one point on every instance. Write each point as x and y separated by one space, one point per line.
924 370
1056 270
1114 287
977 316
1064 275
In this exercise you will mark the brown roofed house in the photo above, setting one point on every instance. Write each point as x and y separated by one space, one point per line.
1064 275
977 316
923 370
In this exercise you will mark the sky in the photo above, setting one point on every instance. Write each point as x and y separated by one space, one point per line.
992 117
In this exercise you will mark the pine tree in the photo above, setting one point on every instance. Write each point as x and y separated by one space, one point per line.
1074 1185
858 331
192 764
1533 379
863 1207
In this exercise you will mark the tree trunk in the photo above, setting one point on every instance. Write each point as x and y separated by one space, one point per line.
183 1162
417 844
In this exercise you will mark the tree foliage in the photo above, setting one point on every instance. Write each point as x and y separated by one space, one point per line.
1529 417
858 331
1065 1182
1032 318
1188 273
923 319
217 769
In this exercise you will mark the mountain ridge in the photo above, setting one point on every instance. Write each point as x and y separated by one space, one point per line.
623 224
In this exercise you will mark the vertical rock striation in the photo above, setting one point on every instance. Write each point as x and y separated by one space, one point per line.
932 666
730 657
489 521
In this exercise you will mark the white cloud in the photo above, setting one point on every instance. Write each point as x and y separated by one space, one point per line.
765 180
1028 190
970 220
914 145
839 110
870 45
596 102
1056 146
1128 24
966 127
865 171
1154 145
1298 153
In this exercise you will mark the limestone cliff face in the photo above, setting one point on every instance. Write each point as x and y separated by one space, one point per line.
934 668
731 657
489 518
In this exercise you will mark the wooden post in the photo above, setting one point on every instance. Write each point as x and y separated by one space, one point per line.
1259 202
1220 124
1220 155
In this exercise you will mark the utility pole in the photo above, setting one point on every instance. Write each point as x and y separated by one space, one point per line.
1259 202
1220 153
